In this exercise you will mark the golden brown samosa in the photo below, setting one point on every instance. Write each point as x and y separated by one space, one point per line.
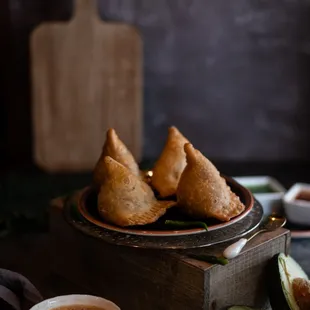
116 149
124 199
202 192
170 165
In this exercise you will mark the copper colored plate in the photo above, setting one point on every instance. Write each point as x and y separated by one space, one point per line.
243 227
87 206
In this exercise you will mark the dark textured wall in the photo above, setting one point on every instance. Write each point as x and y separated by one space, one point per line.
234 76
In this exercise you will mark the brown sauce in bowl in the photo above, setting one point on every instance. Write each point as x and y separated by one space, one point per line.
303 195
78 307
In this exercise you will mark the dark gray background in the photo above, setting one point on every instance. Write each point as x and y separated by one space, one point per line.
234 76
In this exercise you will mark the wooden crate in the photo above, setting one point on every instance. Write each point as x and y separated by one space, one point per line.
139 279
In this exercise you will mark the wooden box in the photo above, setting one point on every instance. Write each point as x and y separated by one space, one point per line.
139 279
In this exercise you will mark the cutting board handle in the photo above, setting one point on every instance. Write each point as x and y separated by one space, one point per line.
86 9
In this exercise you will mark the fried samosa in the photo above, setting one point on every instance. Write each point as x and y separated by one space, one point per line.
170 165
202 192
116 149
124 199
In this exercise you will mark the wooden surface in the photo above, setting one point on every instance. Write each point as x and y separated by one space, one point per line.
35 253
147 279
86 77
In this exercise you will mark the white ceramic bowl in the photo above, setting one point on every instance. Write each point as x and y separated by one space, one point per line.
297 211
68 300
271 202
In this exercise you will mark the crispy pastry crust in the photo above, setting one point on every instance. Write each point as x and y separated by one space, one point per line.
202 192
117 150
124 199
170 165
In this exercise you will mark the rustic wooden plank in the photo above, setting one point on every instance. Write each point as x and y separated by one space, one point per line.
247 270
150 271
86 78
5 79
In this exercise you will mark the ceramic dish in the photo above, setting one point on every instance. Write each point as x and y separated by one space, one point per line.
87 206
72 300
267 190
297 208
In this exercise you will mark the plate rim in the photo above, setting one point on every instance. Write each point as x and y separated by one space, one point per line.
173 243
164 233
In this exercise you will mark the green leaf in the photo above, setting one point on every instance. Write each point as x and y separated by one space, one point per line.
75 212
240 308
183 224
210 259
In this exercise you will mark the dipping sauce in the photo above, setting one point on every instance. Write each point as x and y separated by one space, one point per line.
78 307
260 188
303 195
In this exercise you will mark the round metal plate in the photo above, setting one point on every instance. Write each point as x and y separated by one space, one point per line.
239 229
87 206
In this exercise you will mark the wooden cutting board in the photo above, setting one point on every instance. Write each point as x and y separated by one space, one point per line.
86 77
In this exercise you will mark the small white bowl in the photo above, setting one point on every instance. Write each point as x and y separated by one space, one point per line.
70 300
271 202
297 211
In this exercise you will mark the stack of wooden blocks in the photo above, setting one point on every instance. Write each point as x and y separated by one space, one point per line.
139 279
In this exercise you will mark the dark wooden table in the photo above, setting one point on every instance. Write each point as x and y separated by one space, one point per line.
30 191
28 255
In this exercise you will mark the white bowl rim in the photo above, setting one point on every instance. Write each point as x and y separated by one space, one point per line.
81 299
262 179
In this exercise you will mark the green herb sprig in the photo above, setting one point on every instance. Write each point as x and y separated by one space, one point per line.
184 224
210 259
